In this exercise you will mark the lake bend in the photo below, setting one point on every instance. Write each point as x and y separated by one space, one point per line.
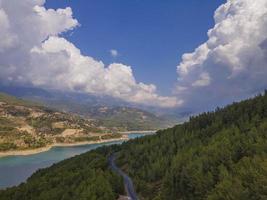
16 169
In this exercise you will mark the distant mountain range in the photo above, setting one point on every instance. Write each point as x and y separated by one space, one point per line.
109 112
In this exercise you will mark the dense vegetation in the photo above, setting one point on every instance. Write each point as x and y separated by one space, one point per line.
82 177
215 156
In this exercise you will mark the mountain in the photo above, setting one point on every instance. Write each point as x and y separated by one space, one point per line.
110 112
214 156
129 118
27 125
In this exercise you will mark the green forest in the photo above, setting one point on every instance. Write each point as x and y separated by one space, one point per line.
216 155
83 177
219 155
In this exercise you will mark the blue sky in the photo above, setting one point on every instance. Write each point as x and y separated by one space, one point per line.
150 35
160 43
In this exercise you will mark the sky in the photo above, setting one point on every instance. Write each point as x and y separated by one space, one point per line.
169 54
151 36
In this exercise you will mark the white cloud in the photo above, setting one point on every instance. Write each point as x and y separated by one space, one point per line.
6 39
114 53
232 64
32 52
204 80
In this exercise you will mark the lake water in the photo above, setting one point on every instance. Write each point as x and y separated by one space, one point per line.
16 169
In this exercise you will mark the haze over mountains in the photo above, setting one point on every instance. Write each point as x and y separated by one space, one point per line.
109 112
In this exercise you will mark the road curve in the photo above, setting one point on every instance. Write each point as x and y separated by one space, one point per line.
127 180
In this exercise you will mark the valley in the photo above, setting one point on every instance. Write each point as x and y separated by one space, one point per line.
27 128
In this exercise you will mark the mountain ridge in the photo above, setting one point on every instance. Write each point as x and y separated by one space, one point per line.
110 112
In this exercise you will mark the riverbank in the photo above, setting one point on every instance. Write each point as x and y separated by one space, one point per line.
47 148
141 132
15 170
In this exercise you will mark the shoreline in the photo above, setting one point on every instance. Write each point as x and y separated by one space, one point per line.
49 147
141 132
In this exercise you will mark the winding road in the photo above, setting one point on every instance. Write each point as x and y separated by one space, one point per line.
128 183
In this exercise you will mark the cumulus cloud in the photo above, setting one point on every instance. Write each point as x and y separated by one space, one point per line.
32 52
114 53
232 63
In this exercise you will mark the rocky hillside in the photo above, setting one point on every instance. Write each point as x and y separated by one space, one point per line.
27 125
109 112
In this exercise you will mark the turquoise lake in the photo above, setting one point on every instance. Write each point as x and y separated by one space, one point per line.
16 169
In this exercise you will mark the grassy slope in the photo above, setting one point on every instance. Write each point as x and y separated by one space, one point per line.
16 101
121 118
131 119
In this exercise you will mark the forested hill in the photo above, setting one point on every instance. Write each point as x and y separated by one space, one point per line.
215 156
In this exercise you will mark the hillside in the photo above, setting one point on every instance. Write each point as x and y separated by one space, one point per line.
109 112
128 118
11 100
25 125
215 156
